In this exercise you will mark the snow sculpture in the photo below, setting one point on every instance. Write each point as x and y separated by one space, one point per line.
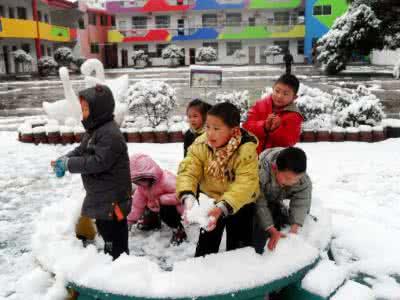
68 107
118 86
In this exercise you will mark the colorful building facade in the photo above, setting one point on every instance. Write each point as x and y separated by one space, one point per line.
36 26
226 25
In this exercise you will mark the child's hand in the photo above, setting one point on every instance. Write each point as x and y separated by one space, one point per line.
275 236
268 122
213 216
294 229
276 122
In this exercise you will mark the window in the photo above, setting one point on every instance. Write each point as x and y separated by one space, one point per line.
300 47
103 20
113 21
26 48
2 14
11 13
92 19
160 48
284 45
212 45
139 22
145 48
122 25
233 19
39 15
232 47
322 10
281 18
42 49
49 51
21 13
46 18
94 48
162 21
81 23
209 20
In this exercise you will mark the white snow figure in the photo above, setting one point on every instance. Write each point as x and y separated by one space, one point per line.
68 107
118 86
396 70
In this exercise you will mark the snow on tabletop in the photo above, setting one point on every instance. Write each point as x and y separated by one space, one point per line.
391 122
39 129
175 127
131 129
377 128
338 129
147 129
52 128
354 290
66 129
161 127
352 130
365 128
324 279
79 129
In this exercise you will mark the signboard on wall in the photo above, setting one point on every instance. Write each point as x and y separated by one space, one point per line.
205 76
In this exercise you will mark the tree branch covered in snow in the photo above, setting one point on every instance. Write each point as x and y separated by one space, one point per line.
238 98
206 54
155 99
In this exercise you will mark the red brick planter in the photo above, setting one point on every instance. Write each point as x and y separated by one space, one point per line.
366 136
148 137
40 137
323 136
78 136
133 137
352 136
27 137
54 137
378 134
309 136
337 134
67 138
175 137
161 137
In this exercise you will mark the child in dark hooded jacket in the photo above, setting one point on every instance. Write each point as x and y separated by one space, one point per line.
103 162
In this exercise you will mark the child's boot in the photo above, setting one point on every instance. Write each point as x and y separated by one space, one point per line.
178 236
149 221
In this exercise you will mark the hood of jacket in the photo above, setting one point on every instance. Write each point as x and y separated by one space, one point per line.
101 106
144 167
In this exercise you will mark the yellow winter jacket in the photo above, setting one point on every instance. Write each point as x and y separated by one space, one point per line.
241 185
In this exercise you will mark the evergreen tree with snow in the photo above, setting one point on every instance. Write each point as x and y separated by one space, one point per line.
206 54
173 53
273 51
63 56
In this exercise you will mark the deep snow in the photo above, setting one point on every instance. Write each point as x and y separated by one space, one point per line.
357 182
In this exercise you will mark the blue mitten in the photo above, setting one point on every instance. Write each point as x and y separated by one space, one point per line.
61 166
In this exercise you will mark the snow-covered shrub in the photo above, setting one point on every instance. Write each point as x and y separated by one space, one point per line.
273 51
21 56
239 54
63 56
238 98
46 65
139 56
174 54
321 121
206 54
155 99
348 34
360 107
396 70
313 102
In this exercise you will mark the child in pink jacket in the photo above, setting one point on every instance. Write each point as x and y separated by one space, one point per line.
156 191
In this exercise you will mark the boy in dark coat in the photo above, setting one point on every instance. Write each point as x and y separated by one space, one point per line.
103 162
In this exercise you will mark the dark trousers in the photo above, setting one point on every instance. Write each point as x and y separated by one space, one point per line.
260 236
288 68
115 236
239 228
170 216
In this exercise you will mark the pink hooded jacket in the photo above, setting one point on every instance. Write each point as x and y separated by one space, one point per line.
162 192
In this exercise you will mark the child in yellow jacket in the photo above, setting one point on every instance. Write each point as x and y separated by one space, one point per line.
223 162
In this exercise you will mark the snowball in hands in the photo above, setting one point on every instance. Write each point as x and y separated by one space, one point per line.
198 213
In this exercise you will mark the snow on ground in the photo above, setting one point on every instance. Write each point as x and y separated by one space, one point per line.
357 182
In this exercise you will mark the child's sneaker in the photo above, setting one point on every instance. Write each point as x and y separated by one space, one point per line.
149 221
178 236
